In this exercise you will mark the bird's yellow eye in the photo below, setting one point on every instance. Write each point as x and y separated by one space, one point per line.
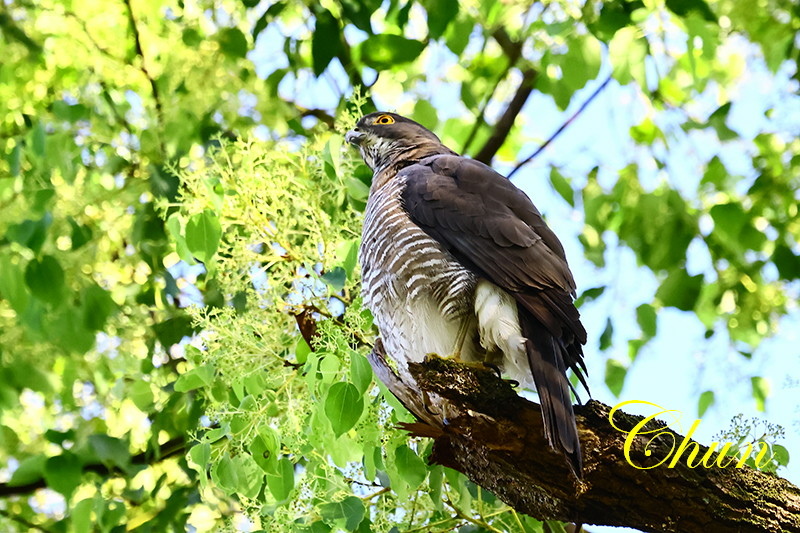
384 119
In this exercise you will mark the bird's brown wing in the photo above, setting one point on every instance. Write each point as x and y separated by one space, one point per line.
494 229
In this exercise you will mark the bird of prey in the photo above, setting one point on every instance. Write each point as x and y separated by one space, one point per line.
457 261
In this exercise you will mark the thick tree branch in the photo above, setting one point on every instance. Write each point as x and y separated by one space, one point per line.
503 126
482 428
513 51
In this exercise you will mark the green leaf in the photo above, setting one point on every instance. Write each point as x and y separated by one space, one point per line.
719 121
281 483
360 372
351 508
562 186
14 160
581 63
225 474
63 473
30 233
680 290
706 400
385 51
780 454
195 378
38 140
787 263
172 330
81 516
761 391
80 234
683 8
410 467
174 228
458 33
141 394
110 450
332 156
45 279
343 406
250 476
233 43
97 306
615 376
30 469
589 295
200 454
301 350
347 256
729 220
647 319
325 41
627 51
335 278
356 189
425 114
111 515
203 233
440 14
265 454
607 335
12 284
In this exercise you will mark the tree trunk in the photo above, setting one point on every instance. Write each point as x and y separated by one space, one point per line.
482 428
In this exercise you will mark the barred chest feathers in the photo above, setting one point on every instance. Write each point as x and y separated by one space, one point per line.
420 295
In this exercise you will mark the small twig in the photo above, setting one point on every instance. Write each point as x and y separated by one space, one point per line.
562 127
384 490
143 68
478 522
92 40
364 484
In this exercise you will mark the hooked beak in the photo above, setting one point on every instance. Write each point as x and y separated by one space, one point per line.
355 137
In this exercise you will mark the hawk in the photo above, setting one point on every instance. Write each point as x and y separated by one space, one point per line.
457 261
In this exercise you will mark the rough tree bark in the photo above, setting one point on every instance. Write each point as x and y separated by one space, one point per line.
482 428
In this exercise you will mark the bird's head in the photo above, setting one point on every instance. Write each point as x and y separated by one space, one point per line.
385 138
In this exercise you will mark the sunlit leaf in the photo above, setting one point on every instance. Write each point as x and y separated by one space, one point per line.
410 466
646 318
385 51
360 371
706 400
343 406
203 232
281 483
627 51
351 509
761 391
615 376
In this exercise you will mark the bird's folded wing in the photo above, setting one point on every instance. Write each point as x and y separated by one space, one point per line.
494 229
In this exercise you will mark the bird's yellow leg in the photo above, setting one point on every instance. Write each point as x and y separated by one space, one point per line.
461 337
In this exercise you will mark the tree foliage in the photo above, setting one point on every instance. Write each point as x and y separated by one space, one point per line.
180 329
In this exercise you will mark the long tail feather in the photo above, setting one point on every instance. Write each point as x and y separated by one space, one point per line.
546 356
